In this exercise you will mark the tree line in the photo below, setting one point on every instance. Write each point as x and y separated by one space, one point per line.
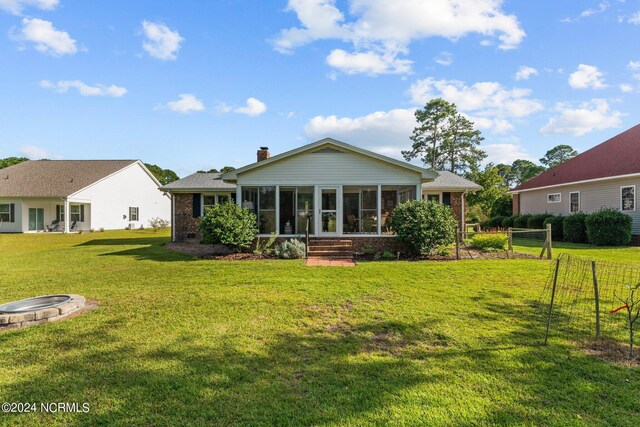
444 139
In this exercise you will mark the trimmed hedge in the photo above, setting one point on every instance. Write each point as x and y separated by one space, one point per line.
556 227
490 241
609 227
508 221
574 229
521 221
495 222
537 221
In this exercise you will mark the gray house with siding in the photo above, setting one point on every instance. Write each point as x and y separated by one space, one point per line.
606 176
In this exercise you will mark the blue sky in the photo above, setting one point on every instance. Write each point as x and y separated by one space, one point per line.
198 84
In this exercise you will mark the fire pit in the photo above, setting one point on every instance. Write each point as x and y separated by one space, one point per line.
38 310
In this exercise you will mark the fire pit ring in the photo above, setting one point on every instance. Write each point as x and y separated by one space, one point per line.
38 310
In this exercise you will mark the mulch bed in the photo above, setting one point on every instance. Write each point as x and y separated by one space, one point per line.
611 351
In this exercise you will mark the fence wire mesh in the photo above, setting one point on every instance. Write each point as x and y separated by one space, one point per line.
571 308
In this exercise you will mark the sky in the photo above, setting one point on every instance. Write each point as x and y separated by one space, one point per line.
197 84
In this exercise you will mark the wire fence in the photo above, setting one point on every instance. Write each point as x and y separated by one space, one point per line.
582 298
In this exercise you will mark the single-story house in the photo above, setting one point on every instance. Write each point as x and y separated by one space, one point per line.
70 195
606 176
346 191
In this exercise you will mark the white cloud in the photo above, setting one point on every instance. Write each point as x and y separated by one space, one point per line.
602 7
488 104
635 18
444 58
587 76
16 6
161 42
626 88
634 65
253 107
387 28
587 117
84 89
386 132
370 63
46 37
185 103
33 152
505 153
525 72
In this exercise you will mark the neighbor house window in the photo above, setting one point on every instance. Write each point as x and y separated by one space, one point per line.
553 198
76 213
5 213
574 201
431 197
60 212
628 198
133 214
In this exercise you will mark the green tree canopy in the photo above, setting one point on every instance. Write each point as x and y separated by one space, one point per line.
227 169
524 170
506 172
558 154
10 161
493 189
445 139
165 176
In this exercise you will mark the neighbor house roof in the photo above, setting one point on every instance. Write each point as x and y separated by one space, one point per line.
617 156
55 178
197 182
450 181
233 175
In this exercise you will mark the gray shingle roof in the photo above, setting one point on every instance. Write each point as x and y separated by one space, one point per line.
55 178
199 182
450 181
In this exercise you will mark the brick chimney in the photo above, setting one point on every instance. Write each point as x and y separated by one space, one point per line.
263 153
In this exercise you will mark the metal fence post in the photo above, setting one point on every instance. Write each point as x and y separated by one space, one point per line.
597 298
553 296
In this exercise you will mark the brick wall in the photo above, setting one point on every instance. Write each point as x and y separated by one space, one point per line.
456 207
516 204
184 223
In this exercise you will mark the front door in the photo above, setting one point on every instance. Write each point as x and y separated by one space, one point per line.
36 219
328 212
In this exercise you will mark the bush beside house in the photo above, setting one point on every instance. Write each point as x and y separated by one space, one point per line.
228 224
609 227
574 229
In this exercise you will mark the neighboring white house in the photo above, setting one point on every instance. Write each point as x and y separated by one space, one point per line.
344 190
606 176
69 195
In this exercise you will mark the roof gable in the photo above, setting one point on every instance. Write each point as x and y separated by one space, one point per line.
328 145
617 156
55 178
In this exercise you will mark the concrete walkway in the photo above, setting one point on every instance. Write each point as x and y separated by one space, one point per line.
324 262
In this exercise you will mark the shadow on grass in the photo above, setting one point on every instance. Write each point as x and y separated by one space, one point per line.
149 248
326 375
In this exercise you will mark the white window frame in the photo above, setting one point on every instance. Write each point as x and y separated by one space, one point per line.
579 201
425 196
7 213
635 198
216 200
77 215
554 194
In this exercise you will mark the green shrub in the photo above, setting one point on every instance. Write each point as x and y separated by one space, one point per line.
290 249
368 249
388 255
537 221
574 229
609 227
556 227
495 222
521 221
508 221
228 224
265 248
422 226
490 241
502 206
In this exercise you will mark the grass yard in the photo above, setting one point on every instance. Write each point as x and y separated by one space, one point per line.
179 341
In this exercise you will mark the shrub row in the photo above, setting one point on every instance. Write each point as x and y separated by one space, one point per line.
606 227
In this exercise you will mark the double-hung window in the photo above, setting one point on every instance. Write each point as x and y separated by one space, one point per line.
574 200
628 198
5 213
554 198
133 213
76 213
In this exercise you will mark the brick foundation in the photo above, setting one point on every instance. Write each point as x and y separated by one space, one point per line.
185 224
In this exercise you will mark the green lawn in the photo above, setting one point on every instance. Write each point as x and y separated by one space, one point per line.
180 341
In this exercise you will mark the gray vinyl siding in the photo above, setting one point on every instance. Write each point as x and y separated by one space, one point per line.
329 168
593 196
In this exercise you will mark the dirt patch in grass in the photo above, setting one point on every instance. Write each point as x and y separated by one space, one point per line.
611 351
